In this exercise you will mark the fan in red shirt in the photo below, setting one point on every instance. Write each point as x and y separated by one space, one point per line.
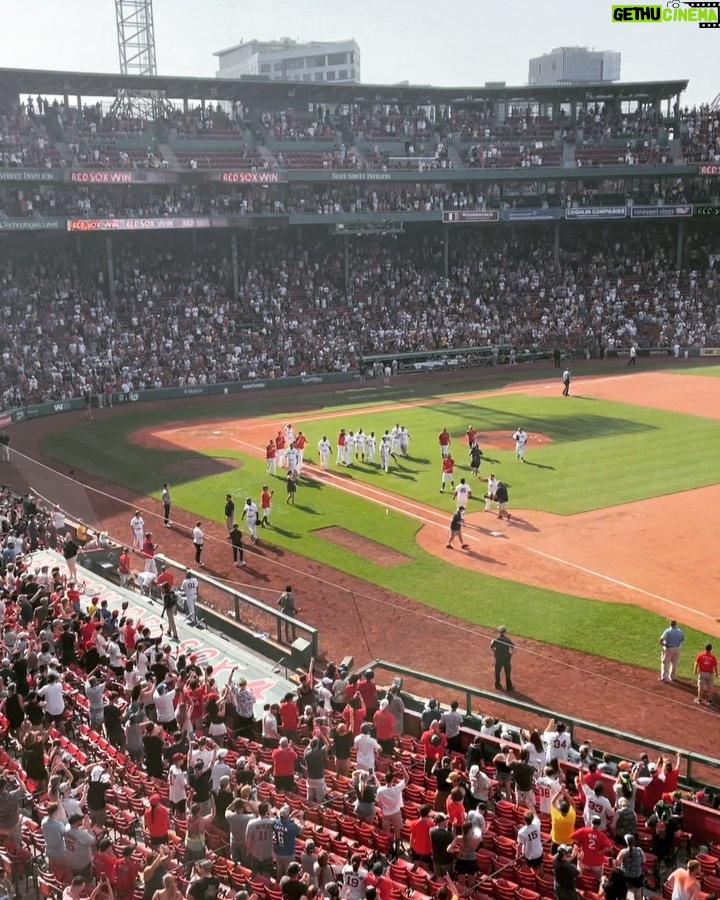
448 473
670 774
594 845
127 873
270 453
354 715
420 845
283 760
368 691
444 441
129 634
289 715
105 861
280 447
433 743
157 821
385 730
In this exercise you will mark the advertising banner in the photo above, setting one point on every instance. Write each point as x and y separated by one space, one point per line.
38 175
660 212
532 215
596 212
470 216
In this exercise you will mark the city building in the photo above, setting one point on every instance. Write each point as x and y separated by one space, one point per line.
288 60
574 65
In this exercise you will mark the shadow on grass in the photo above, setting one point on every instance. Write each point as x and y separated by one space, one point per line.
529 462
307 509
293 535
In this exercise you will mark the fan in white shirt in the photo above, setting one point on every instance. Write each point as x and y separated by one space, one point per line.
529 839
596 804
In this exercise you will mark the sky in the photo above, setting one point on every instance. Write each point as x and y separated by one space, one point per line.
456 42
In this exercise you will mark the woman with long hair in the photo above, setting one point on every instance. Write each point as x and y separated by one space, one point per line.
365 790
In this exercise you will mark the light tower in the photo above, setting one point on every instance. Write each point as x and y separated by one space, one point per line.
136 50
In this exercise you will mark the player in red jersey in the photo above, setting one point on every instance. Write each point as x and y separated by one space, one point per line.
444 441
270 454
448 473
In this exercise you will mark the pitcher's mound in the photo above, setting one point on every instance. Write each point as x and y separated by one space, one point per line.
194 467
378 553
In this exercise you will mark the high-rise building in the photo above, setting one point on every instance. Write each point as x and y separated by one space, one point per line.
573 65
287 60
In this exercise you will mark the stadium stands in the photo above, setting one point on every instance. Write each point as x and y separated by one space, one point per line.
89 726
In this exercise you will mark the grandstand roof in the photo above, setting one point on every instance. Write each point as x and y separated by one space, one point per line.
258 92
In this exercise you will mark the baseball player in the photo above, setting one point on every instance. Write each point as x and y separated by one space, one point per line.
492 484
566 382
300 444
265 503
471 435
270 455
520 437
289 434
370 447
250 512
291 457
341 448
404 441
444 441
349 448
360 444
448 473
475 458
385 452
137 525
395 435
189 587
280 448
324 451
462 494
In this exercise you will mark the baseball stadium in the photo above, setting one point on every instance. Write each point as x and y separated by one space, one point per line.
196 273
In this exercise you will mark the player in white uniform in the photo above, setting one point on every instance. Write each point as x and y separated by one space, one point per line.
370 447
293 458
492 484
395 435
349 448
360 444
189 587
137 525
289 434
324 451
404 441
385 451
250 512
462 494
520 437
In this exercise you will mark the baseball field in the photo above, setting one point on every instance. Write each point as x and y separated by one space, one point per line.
612 530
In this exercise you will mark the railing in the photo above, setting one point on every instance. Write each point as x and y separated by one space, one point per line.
690 759
248 610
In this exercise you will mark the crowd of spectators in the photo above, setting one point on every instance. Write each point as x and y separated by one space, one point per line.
128 766
700 134
136 201
287 125
174 323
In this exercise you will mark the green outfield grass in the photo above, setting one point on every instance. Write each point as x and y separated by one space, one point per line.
712 370
620 446
595 444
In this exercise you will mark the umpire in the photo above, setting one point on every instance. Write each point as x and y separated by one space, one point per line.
502 648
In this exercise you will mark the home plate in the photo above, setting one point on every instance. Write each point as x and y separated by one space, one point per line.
217 432
497 534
